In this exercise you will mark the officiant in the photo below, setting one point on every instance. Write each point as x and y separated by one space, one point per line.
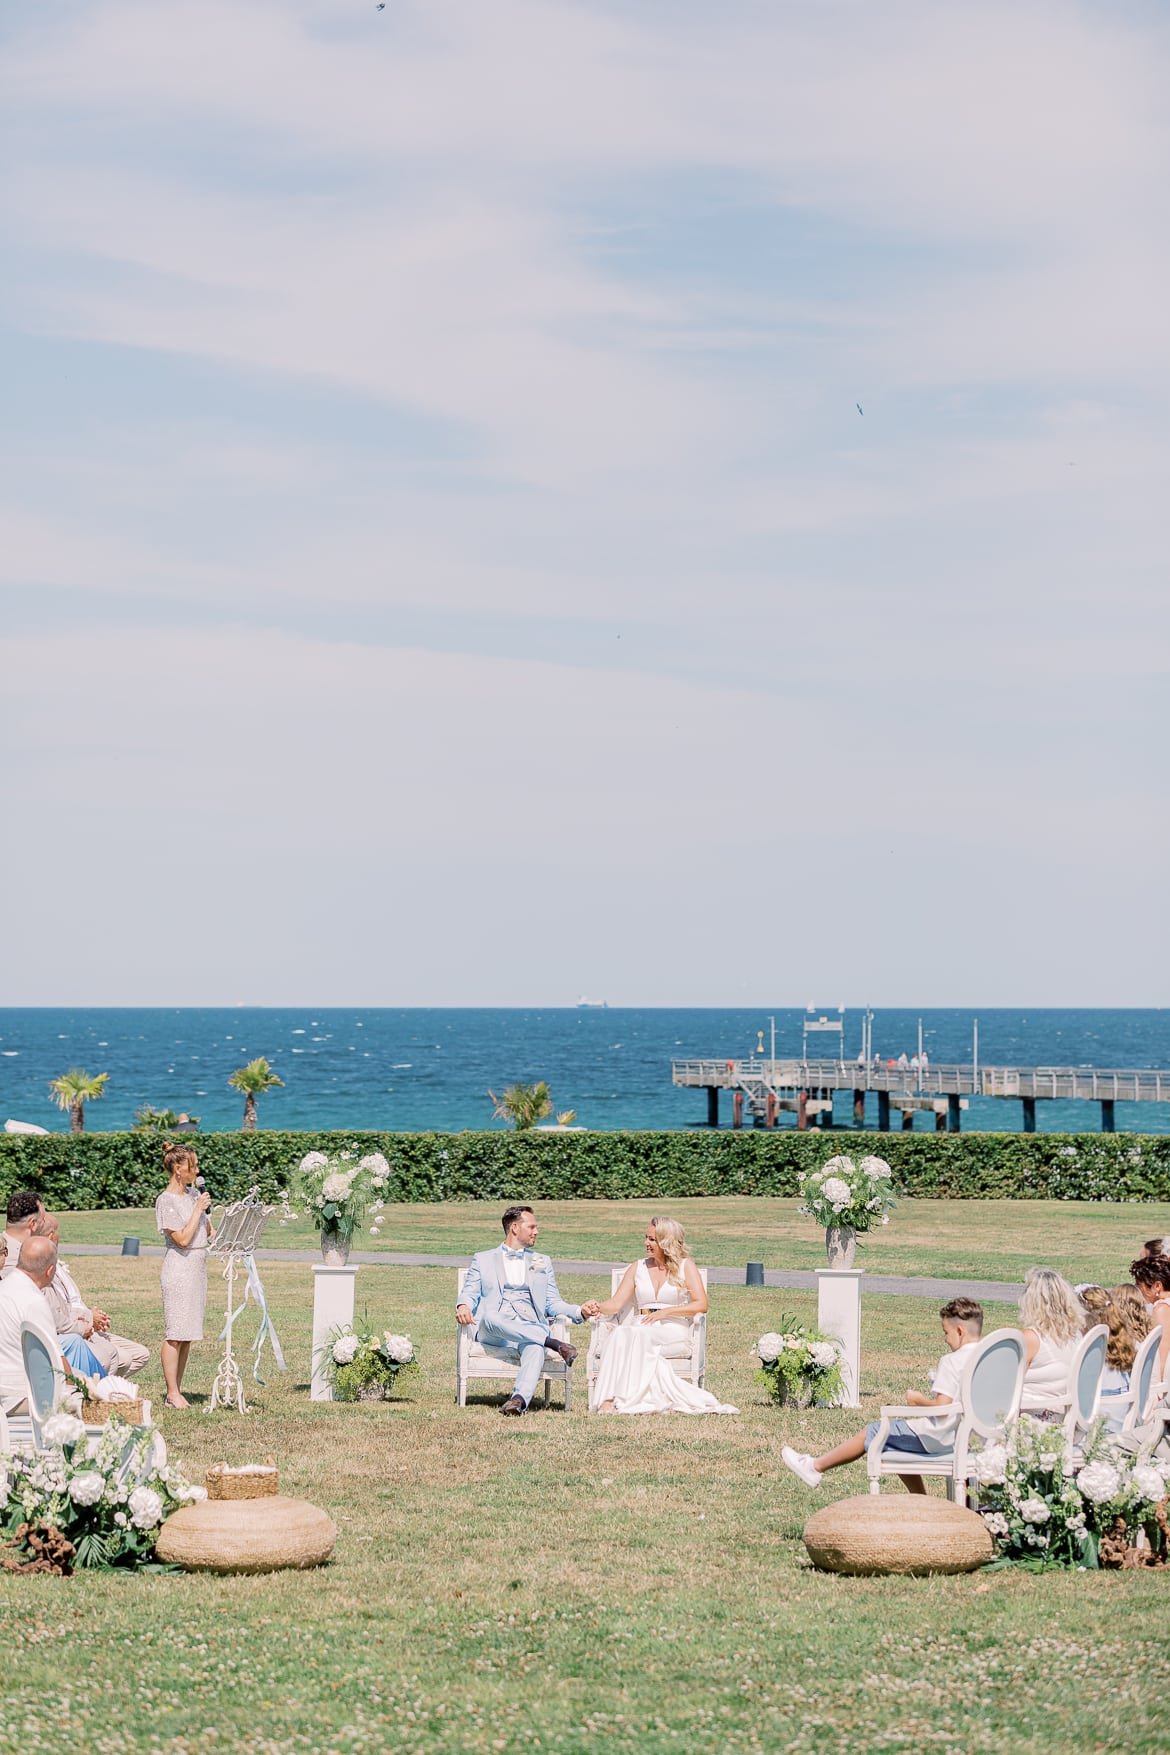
511 1294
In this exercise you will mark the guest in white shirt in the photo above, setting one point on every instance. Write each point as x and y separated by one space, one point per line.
22 1299
72 1316
25 1211
1051 1316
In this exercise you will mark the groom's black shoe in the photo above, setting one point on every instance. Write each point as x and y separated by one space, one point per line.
567 1353
515 1405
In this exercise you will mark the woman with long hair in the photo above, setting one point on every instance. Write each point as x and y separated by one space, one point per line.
1051 1316
665 1289
1152 1277
180 1214
1120 1348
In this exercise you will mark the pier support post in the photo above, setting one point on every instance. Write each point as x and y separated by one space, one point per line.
737 1109
1029 1114
883 1112
859 1108
802 1111
954 1113
712 1105
907 1120
940 1121
770 1112
1108 1124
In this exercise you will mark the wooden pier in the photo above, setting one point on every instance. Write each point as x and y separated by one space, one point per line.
767 1087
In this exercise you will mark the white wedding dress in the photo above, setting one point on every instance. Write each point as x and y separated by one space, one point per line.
635 1371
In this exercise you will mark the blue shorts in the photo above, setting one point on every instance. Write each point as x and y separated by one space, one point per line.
902 1437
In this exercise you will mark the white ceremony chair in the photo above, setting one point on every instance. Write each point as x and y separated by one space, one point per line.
688 1357
989 1396
1085 1373
474 1360
1145 1387
47 1388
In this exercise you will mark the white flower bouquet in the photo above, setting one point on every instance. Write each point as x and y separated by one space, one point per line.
799 1365
362 1365
1041 1515
848 1196
336 1191
104 1496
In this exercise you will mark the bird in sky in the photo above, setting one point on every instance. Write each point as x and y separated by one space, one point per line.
859 408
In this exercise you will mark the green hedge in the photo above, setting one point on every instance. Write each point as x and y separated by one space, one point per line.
125 1169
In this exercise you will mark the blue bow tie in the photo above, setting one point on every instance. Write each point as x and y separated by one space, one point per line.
513 1254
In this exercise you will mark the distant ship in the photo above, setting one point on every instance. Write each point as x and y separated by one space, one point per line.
592 1005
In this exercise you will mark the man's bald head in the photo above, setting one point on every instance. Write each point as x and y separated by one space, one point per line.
38 1258
49 1226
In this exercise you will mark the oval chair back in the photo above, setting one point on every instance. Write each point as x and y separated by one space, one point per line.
1144 1381
46 1380
994 1381
1085 1374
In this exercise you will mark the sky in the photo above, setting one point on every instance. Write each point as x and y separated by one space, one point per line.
506 500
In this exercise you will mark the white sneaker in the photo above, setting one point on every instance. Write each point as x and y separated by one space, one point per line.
801 1465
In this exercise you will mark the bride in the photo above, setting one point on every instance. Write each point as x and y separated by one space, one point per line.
635 1375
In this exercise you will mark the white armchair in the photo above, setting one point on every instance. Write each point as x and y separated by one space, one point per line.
1146 1392
687 1357
474 1360
1085 1373
989 1396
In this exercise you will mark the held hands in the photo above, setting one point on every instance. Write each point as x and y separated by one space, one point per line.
463 1315
101 1322
590 1309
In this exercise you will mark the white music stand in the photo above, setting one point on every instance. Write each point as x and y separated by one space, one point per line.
234 1243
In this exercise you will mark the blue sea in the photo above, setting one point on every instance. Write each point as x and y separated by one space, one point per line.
413 1070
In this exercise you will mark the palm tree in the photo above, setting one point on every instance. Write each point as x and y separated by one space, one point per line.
523 1105
148 1120
253 1079
73 1090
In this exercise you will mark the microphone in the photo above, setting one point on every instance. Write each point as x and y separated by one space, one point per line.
200 1185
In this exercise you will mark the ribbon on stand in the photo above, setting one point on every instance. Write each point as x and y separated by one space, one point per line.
254 1289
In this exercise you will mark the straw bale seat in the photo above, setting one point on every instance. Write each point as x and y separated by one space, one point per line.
911 1533
247 1535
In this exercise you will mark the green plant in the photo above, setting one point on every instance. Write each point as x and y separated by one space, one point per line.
148 1120
361 1365
73 1090
253 1079
523 1105
801 1364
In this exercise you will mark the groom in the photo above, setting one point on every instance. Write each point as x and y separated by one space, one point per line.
511 1293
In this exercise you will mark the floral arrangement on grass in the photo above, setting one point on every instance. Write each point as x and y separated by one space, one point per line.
361 1365
105 1496
336 1191
844 1195
801 1365
1041 1515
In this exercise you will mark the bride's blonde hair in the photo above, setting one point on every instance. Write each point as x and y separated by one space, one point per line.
672 1241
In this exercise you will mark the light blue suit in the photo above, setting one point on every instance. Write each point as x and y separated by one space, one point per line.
486 1293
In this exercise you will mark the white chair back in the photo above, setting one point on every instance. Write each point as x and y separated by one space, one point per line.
993 1382
1144 1382
1086 1369
46 1379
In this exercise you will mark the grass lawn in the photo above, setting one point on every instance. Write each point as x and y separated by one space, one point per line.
994 1240
574 1584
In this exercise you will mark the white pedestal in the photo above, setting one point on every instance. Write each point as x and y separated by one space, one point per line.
333 1294
839 1315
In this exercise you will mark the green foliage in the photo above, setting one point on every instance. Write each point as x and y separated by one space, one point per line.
150 1120
524 1105
77 1086
255 1078
89 1171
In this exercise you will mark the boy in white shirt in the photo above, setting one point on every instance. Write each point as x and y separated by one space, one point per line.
962 1324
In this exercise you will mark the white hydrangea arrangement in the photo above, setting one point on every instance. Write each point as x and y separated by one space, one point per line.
336 1191
1042 1515
104 1494
844 1195
361 1364
799 1365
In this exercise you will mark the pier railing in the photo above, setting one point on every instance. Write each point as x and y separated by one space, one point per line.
1102 1084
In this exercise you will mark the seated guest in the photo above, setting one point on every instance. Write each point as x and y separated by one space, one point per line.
22 1300
1152 1277
962 1326
72 1316
1051 1318
25 1211
1120 1349
1155 1246
1134 1311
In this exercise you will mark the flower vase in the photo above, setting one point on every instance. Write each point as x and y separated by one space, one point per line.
840 1245
335 1245
372 1392
787 1396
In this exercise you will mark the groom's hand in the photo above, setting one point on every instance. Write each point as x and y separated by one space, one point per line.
463 1314
592 1308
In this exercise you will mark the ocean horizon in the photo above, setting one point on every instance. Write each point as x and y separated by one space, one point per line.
418 1069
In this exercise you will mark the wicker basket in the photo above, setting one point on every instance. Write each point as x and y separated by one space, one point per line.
96 1413
259 1483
